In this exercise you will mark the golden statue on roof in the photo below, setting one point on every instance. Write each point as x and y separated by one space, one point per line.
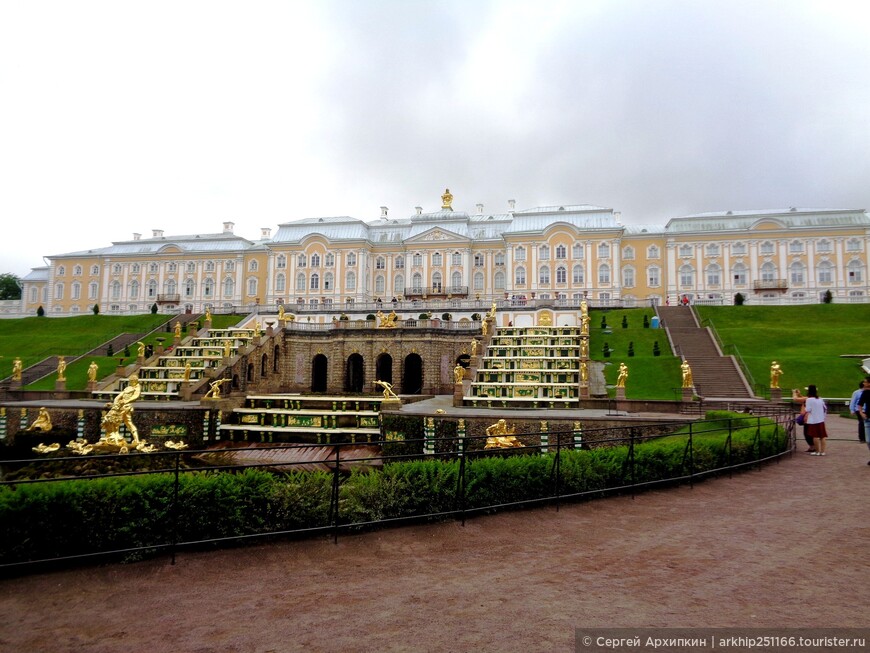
447 200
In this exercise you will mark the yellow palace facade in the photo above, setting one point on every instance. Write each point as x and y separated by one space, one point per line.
447 259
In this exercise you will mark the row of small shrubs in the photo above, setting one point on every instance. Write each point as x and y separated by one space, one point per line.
48 520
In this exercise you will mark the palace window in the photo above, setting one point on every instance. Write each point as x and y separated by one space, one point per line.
253 266
400 262
229 266
499 280
417 283
604 273
399 285
855 272
561 252
544 253
95 269
824 247
116 269
767 248
797 273
738 272
687 275
281 262
151 289
76 290
229 287
115 290
134 290
826 272
191 267
544 276
499 259
329 260
209 266
252 287
328 281
653 252
478 281
301 261
654 277
714 275
77 270
380 285
853 245
768 272
456 281
437 259
189 287
350 281
300 281
520 253
171 287
604 251
712 249
351 259
315 260
796 247
61 270
478 260
628 277
436 282
208 288
577 251
520 276
685 251
457 258
578 275
380 263
417 259
561 274
628 253
280 283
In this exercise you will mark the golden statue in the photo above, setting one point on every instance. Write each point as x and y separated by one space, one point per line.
500 436
16 369
584 373
178 329
187 371
61 368
257 327
41 423
387 321
46 448
280 313
475 343
140 349
447 200
688 381
584 325
584 307
388 389
214 390
81 447
545 320
92 372
207 314
228 348
775 373
584 348
623 375
458 373
181 444
121 412
484 327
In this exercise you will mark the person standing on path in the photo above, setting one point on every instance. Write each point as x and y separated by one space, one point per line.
863 412
815 418
853 407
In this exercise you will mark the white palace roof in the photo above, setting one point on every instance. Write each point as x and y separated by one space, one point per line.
793 218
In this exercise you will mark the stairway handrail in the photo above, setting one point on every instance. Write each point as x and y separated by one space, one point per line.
730 350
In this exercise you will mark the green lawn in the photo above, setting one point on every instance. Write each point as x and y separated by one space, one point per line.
36 338
649 376
807 341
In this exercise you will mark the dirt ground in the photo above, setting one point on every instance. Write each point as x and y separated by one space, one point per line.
783 546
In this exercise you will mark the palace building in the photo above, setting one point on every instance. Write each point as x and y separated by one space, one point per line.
554 255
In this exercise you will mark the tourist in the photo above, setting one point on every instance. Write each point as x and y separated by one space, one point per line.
853 406
863 411
798 398
815 419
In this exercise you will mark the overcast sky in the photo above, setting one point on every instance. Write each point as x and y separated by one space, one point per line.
119 117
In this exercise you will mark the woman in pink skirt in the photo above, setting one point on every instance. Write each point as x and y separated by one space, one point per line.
815 419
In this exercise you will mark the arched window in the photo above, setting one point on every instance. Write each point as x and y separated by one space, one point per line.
738 273
95 269
329 260
171 287
417 259
544 275
604 252
437 259
315 260
654 276
561 252
604 273
399 285
498 280
189 287
520 253
520 276
714 274
855 271
687 275
116 269
58 291
253 266
315 281
417 283
478 280
115 290
229 266
76 290
134 289
796 247
400 262
457 258
209 266
380 285
498 259
191 267
301 261
826 272
456 281
544 253
738 249
281 262
628 276
280 283
561 274
152 289
208 288
351 259
652 252
77 270
478 260
685 251
767 247
628 253
577 251
229 287
436 282
768 272
328 283
578 274
350 281
252 286
300 281
797 273
712 249
380 263
172 267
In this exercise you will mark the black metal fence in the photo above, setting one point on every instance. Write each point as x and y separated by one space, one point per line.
466 450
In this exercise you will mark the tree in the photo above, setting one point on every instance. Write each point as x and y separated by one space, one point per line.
631 348
10 286
624 321
656 350
603 321
154 308
96 309
827 298
40 311
646 321
739 299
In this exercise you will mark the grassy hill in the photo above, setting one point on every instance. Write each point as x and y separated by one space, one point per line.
808 341
36 338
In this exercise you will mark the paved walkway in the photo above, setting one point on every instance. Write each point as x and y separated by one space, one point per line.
783 546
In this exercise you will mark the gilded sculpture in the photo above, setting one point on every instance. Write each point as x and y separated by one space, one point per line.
475 343
121 413
388 389
623 375
447 200
584 373
458 373
775 373
214 390
61 368
207 314
92 372
501 436
42 422
387 321
140 349
688 381
484 327
17 367
178 329
186 371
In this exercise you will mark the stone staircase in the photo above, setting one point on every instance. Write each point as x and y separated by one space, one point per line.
715 375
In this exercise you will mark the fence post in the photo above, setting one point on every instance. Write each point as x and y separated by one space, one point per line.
631 460
175 507
333 507
462 456
557 463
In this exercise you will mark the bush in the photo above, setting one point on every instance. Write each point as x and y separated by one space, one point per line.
739 299
475 317
827 298
96 309
606 350
446 317
656 350
603 321
631 348
645 321
40 312
423 316
370 317
624 321
154 308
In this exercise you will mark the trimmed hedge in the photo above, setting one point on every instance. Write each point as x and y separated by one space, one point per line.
74 517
